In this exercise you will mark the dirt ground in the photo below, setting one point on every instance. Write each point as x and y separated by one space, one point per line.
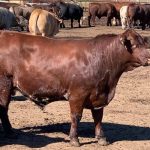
126 119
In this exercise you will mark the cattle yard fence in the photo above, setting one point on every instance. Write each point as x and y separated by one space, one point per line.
82 3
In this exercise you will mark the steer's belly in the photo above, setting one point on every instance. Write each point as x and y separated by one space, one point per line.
40 86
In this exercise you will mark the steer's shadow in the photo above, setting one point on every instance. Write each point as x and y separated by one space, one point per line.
34 137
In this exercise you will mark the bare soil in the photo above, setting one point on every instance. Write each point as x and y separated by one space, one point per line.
126 119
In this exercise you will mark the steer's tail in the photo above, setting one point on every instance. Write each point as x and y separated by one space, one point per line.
33 22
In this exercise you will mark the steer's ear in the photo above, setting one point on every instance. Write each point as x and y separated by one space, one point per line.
128 41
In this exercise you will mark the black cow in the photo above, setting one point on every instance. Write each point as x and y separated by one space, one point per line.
69 11
146 8
139 12
7 19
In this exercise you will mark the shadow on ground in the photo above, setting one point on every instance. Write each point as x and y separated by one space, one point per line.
34 137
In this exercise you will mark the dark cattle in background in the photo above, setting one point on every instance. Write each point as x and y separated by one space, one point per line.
84 72
7 19
7 4
23 23
139 12
21 11
44 1
135 12
69 11
118 6
45 6
22 14
146 21
100 10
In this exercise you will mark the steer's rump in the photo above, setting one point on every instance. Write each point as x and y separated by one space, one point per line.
43 23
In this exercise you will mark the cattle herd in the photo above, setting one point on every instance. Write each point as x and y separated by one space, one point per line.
129 15
85 72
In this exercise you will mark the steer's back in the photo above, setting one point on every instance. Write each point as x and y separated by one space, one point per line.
51 66
36 50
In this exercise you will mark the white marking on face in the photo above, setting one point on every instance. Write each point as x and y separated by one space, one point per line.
66 95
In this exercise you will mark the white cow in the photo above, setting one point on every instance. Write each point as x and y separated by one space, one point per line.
123 16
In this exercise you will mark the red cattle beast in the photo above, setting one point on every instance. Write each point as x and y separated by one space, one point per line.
100 10
84 72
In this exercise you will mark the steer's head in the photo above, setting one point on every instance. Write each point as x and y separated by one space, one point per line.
136 49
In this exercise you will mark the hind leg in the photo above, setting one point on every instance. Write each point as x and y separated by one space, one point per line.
5 95
109 20
62 25
89 20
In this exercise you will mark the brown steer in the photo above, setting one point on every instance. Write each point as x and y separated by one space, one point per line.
100 10
84 72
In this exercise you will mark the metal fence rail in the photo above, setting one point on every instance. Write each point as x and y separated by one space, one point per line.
78 1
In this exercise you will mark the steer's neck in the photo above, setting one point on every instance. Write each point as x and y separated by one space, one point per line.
113 56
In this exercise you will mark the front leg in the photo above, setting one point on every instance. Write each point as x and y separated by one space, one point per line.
71 23
99 134
75 119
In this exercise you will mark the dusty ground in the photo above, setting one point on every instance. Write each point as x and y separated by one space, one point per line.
126 119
